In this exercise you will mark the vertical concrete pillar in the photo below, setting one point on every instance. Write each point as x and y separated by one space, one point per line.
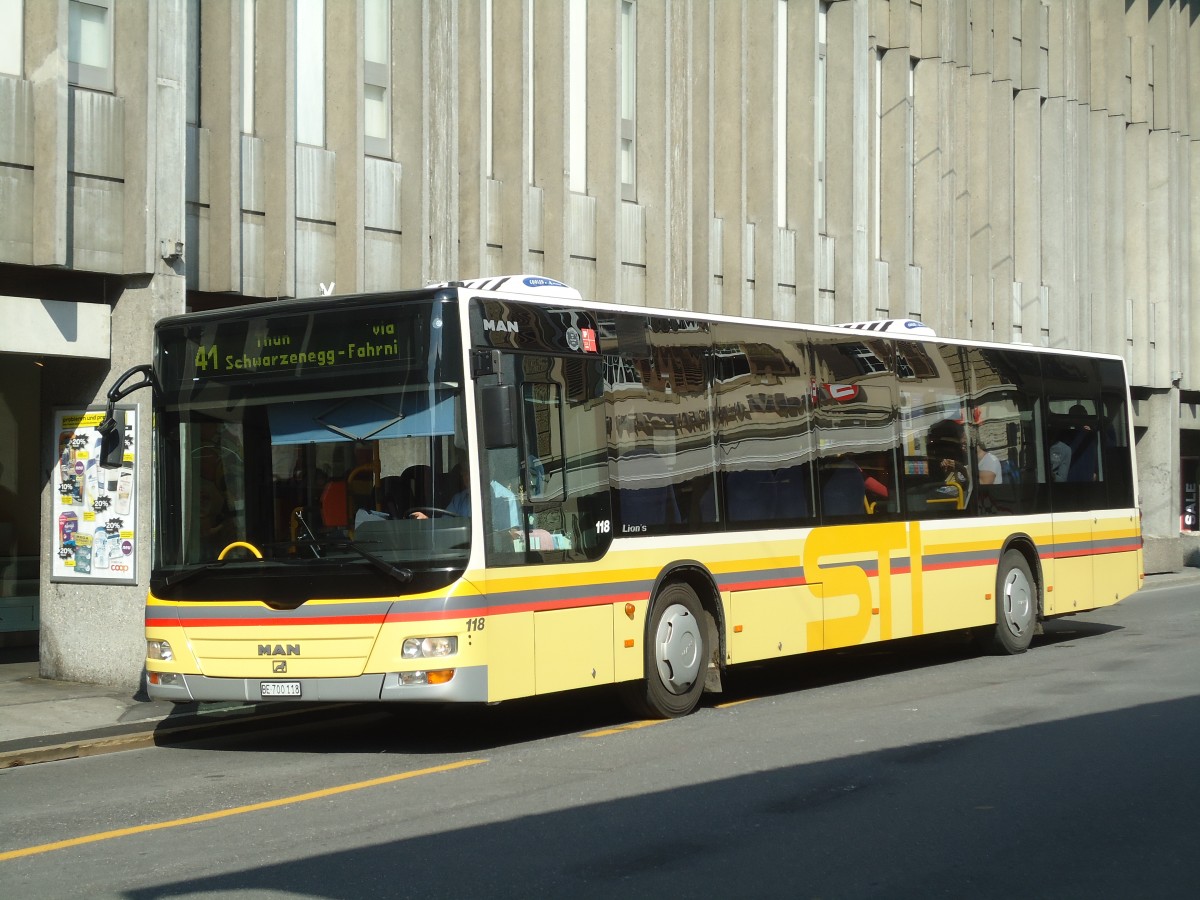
275 123
410 66
895 169
799 120
1158 463
550 131
680 193
1137 258
760 152
510 110
344 136
1027 215
848 160
706 263
604 140
728 150
46 69
220 269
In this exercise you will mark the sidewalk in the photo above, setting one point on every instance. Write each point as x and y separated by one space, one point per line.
42 720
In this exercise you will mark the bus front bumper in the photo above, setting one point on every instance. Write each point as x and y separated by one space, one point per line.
469 685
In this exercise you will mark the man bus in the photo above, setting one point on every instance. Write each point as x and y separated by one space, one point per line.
650 498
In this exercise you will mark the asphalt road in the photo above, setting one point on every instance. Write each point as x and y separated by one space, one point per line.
917 771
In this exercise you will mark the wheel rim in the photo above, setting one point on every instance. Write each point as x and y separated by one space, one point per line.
1018 602
677 648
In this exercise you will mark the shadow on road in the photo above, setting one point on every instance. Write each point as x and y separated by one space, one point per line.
449 729
1092 806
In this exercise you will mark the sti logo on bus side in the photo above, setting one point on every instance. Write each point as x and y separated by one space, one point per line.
500 325
279 650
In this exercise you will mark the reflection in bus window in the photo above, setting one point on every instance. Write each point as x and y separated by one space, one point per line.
764 429
661 435
855 427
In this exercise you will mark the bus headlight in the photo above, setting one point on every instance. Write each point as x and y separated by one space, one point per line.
430 647
159 650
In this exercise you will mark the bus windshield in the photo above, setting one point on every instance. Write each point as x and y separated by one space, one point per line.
301 450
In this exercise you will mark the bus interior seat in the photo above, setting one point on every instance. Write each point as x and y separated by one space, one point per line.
334 509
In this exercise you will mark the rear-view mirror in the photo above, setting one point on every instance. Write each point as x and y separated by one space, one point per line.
112 443
499 416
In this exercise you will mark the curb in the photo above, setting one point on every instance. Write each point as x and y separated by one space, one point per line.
241 721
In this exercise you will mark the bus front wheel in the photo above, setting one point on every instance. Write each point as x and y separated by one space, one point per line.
675 657
1016 606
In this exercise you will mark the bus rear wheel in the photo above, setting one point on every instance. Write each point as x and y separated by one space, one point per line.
675 656
1016 606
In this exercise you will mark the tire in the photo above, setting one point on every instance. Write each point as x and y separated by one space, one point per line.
675 657
1016 606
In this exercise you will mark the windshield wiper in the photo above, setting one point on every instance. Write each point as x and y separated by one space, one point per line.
192 571
400 573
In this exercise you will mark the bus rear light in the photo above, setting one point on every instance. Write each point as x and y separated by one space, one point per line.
437 676
430 647
159 650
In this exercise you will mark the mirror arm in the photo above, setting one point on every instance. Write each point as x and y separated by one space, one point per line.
118 392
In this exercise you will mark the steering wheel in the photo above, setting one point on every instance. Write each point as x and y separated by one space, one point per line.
240 545
429 512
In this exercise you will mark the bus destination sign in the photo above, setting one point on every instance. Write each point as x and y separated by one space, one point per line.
291 345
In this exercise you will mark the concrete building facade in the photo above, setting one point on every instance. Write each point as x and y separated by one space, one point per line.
1011 170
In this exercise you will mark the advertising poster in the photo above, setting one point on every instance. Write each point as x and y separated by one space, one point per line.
95 509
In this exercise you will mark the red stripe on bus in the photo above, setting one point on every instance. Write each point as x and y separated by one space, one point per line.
599 600
238 623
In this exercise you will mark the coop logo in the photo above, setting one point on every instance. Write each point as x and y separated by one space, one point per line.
500 325
278 649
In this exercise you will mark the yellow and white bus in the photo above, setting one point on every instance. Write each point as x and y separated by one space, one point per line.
486 490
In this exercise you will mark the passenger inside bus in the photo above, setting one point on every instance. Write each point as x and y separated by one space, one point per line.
990 471
505 512
946 445
1081 438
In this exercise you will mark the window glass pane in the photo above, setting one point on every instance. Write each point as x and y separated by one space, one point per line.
87 35
760 385
628 59
310 72
855 427
1073 421
543 442
10 37
1116 463
661 435
193 62
248 66
577 94
375 111
376 31
548 499
1007 433
939 477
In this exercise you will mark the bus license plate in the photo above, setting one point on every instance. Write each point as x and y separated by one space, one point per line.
280 688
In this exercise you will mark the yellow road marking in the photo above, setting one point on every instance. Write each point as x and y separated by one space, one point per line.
235 811
730 703
628 726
